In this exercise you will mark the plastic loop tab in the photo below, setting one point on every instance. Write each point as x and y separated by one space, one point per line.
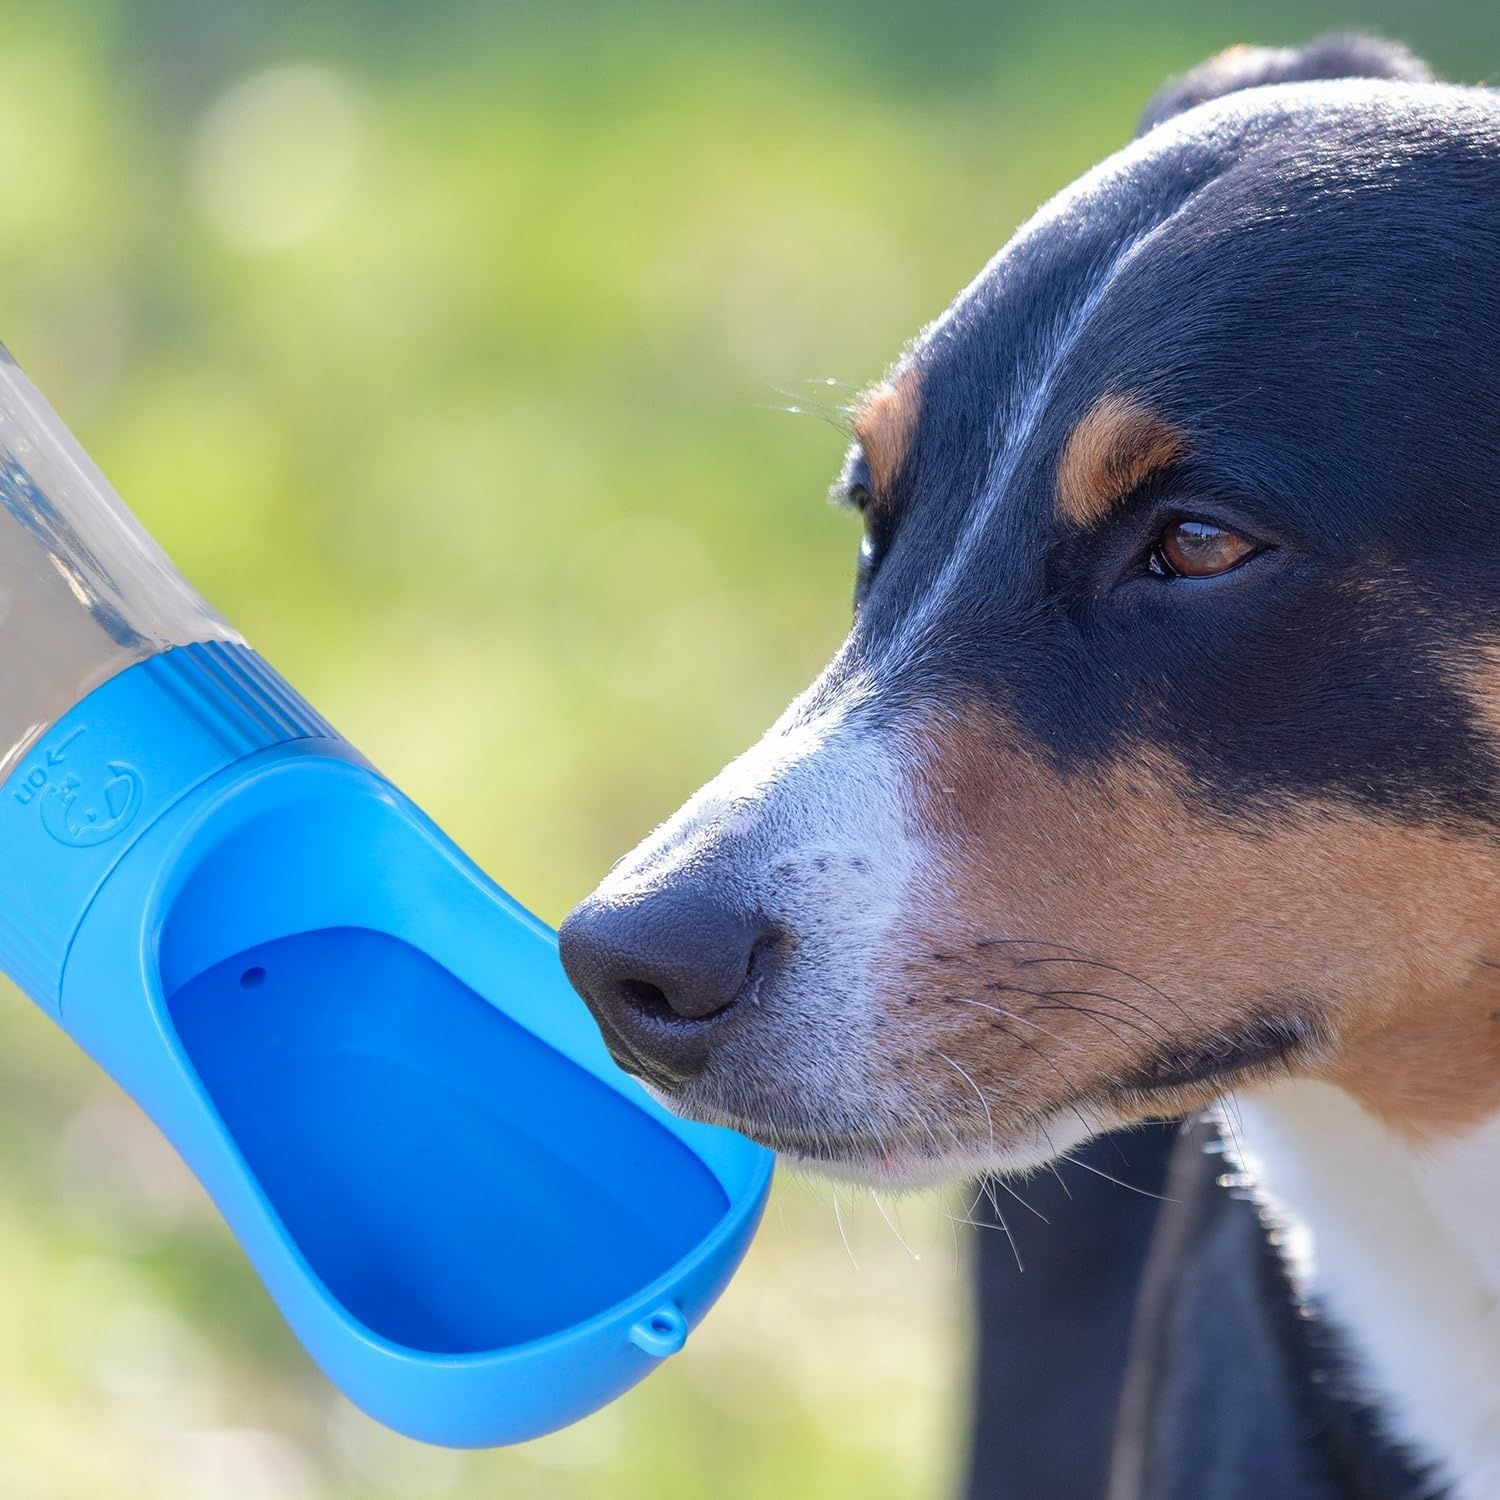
663 1333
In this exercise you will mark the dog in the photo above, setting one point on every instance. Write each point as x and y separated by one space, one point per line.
1161 764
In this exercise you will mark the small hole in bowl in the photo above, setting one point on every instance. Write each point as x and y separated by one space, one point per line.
252 979
661 1324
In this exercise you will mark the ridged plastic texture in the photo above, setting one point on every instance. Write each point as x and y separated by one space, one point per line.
74 803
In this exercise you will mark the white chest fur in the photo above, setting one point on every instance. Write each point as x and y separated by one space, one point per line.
1402 1245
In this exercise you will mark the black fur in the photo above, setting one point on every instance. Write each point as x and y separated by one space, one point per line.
1308 289
1249 67
1256 1045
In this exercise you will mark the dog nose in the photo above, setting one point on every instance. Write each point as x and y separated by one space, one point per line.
662 972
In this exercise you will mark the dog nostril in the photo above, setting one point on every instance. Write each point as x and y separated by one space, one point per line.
685 1007
761 957
689 999
649 999
664 974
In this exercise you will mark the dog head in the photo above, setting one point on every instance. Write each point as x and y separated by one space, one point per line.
1162 753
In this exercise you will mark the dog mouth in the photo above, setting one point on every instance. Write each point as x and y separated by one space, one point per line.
1258 1047
903 1161
890 1151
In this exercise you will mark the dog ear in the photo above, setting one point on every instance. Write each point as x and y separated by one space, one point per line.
1246 67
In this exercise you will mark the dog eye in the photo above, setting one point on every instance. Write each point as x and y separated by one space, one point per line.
1199 549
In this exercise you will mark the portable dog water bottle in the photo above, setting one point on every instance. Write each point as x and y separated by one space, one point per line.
479 1227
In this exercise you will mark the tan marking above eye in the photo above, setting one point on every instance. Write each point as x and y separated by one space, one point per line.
1117 445
1200 549
884 423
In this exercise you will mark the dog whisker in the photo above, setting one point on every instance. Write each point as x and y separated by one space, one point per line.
1118 1181
839 416
1144 1014
978 1094
968 1218
838 1219
1075 955
1097 1015
1010 1015
1099 963
1070 1092
890 1224
992 1182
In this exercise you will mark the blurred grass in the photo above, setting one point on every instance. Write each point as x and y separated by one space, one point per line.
443 347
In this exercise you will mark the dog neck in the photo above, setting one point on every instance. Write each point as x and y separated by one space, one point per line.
1399 1239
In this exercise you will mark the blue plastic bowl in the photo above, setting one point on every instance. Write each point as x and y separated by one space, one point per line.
476 1223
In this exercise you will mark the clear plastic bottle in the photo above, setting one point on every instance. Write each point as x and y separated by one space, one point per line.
84 590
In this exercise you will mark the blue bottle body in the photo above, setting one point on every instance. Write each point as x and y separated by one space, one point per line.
479 1227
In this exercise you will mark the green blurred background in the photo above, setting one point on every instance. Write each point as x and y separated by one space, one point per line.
445 347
